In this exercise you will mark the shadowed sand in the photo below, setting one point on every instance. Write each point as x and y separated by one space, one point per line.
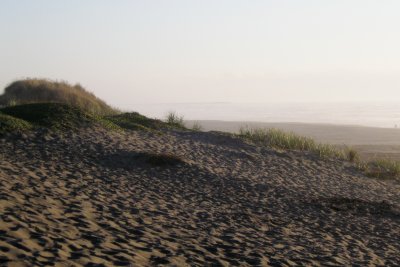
90 198
371 142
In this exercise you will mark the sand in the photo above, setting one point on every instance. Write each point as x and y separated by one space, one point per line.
88 198
371 142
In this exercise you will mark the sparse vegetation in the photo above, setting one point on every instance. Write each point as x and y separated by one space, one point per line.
383 168
352 155
45 91
282 140
197 126
174 120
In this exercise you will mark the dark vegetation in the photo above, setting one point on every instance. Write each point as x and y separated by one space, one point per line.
12 124
136 121
51 115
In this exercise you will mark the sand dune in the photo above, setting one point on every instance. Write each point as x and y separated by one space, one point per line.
89 198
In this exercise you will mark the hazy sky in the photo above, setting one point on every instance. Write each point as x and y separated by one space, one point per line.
204 51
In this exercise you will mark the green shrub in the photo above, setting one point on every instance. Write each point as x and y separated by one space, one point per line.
12 124
55 116
135 121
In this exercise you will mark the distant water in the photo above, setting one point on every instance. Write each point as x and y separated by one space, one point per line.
366 114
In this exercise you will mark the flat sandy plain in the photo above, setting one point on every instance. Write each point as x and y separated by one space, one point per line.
90 198
371 142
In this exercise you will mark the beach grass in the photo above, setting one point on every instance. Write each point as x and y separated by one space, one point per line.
275 138
287 140
383 168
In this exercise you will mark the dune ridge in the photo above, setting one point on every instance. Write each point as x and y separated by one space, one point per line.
80 189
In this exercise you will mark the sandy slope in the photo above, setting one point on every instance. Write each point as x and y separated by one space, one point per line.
87 198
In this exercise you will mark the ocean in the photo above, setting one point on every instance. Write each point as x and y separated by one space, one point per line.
385 115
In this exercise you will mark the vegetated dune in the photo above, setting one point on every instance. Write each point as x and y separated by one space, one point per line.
89 195
44 91
89 187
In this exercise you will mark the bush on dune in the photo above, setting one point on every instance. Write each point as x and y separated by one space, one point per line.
53 115
135 121
44 91
12 124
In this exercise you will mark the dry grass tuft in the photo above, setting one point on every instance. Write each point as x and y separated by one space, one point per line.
352 155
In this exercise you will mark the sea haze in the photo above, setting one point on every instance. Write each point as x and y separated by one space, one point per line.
381 114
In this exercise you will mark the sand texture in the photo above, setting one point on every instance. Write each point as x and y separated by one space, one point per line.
92 198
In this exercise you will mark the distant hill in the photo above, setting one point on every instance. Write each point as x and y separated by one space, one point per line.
43 90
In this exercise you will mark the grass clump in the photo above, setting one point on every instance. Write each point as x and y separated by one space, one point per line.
12 124
174 120
44 91
352 155
282 140
383 168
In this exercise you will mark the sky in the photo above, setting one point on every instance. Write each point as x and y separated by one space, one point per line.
129 52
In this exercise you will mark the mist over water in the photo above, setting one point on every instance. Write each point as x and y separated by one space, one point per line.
365 114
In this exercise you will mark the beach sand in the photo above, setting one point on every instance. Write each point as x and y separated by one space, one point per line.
90 198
